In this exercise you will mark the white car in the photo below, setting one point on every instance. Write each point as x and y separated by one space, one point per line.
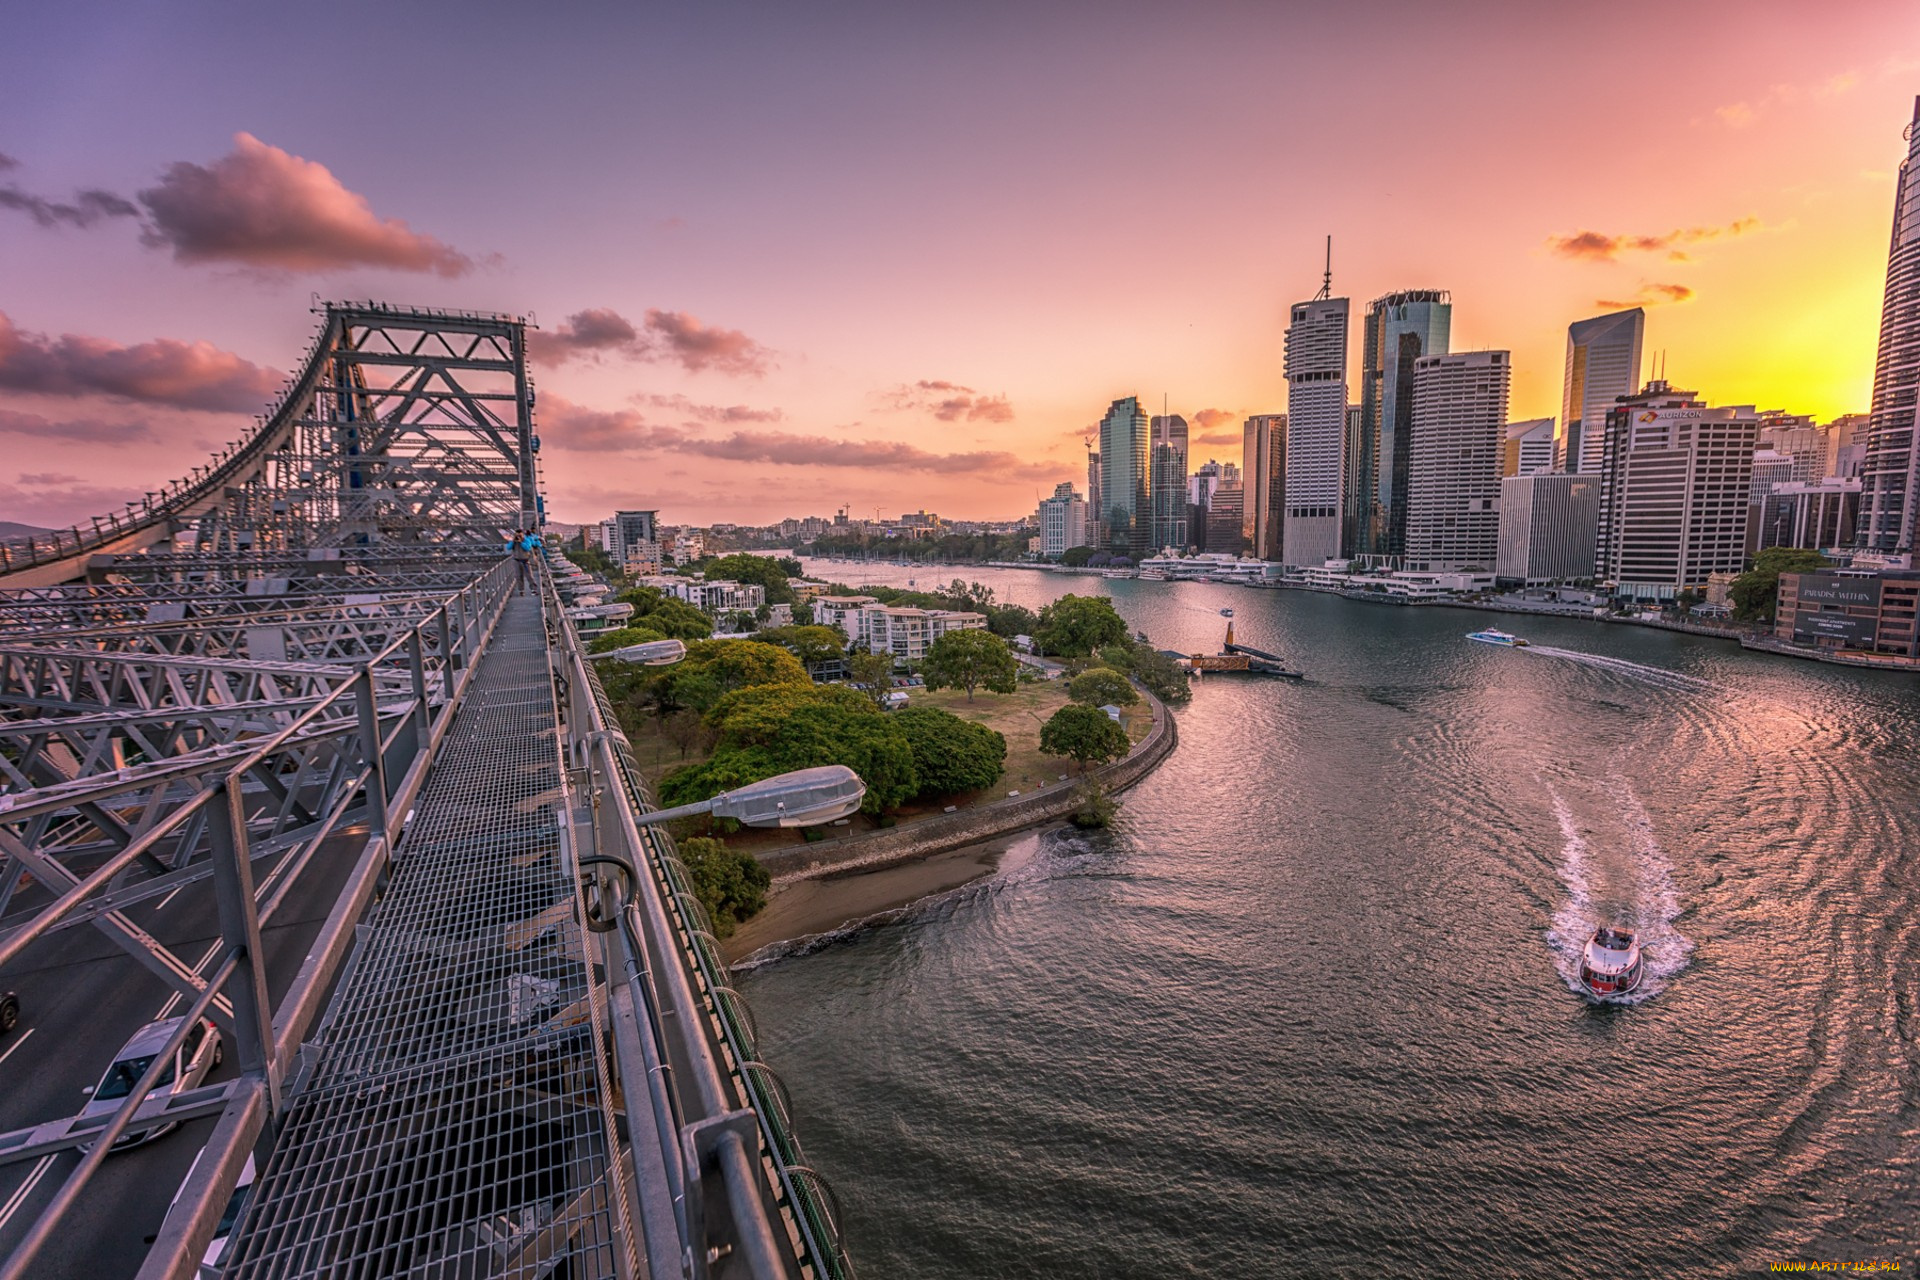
191 1064
217 1247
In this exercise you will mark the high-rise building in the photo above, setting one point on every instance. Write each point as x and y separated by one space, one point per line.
1529 448
1200 487
1125 509
1316 369
1547 526
1603 364
1096 520
1400 329
1890 478
1795 436
1264 482
1819 515
631 535
1453 473
1167 483
1063 522
1675 492
1224 517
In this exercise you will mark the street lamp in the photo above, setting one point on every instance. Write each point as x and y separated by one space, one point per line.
803 798
652 653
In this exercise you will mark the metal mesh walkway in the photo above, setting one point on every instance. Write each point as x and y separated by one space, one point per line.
455 1120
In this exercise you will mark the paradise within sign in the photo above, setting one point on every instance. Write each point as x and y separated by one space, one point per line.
1833 588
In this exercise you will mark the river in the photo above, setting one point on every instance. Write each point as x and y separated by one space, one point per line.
1310 1009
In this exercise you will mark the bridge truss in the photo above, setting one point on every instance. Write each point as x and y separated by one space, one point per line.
509 1046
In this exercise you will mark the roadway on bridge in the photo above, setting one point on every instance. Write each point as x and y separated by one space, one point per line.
81 996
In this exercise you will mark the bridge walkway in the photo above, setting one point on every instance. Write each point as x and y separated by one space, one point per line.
453 1115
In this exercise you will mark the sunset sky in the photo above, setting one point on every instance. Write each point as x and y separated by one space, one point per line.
789 256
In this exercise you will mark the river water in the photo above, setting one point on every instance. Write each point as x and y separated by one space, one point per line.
1310 1009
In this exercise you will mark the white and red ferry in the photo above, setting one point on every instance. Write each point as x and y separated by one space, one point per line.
1611 964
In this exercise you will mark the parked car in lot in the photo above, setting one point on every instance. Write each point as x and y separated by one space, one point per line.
9 1011
217 1247
197 1056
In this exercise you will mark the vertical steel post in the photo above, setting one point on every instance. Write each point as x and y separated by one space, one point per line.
239 910
417 660
377 794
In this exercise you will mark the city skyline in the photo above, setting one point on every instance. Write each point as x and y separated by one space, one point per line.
928 315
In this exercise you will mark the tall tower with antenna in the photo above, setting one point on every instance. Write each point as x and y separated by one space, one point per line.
1313 490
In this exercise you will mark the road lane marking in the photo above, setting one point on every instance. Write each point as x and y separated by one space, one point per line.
173 1001
26 1189
169 898
16 1044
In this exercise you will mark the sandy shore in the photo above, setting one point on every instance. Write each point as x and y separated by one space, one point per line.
801 908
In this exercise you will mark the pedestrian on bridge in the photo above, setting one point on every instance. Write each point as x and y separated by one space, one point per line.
520 546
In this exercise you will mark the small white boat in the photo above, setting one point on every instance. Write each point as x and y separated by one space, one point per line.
1501 638
1226 613
1611 965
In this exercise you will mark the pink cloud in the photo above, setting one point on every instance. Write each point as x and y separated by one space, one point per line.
264 207
948 402
165 371
81 431
1208 419
666 336
1650 295
588 332
1596 246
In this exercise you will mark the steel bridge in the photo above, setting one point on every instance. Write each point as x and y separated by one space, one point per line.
474 1019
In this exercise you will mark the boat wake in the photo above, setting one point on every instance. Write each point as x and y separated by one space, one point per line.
1661 676
1646 900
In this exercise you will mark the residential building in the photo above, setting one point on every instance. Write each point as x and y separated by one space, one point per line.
905 632
1548 523
1263 483
1125 508
623 530
1819 515
1315 364
713 598
1167 483
1890 478
688 545
1603 364
1226 533
1675 492
1063 522
1529 448
1453 484
1400 328
834 611
1864 612
642 558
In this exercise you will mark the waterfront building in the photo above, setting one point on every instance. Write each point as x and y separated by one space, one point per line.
1675 492
1603 364
903 631
1063 522
1096 523
1200 487
1453 485
1822 515
1124 507
1865 612
1400 328
1167 482
1226 534
1264 483
1890 489
1315 364
1548 523
1529 447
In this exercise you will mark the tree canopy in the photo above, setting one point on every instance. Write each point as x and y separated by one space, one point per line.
763 571
1083 734
730 883
671 617
970 659
714 668
1098 686
874 671
1074 626
1756 593
951 754
1010 620
1164 678
812 645
1076 557
772 729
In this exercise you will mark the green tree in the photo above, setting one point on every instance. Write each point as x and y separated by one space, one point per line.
813 646
770 729
971 659
763 571
1077 557
1010 620
714 668
873 671
1099 686
951 754
730 883
1074 626
971 597
1083 734
665 614
1756 593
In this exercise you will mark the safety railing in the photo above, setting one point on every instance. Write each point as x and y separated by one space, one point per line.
392 744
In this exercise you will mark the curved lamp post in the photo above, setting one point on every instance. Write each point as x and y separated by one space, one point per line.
803 798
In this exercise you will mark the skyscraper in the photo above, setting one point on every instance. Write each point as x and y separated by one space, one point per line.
1063 522
1890 478
1125 509
1453 472
1529 448
1316 369
1603 364
1096 513
1167 484
1264 482
1400 329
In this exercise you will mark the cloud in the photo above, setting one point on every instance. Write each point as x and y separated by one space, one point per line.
1208 419
1220 437
263 207
81 431
948 402
85 209
576 428
1650 295
709 412
1596 246
44 479
7 162
1739 115
667 336
165 371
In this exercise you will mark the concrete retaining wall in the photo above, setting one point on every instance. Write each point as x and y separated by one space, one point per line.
872 850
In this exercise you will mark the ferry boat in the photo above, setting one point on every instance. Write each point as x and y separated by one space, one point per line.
1502 638
1611 964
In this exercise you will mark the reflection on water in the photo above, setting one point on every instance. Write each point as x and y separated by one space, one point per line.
1296 1016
